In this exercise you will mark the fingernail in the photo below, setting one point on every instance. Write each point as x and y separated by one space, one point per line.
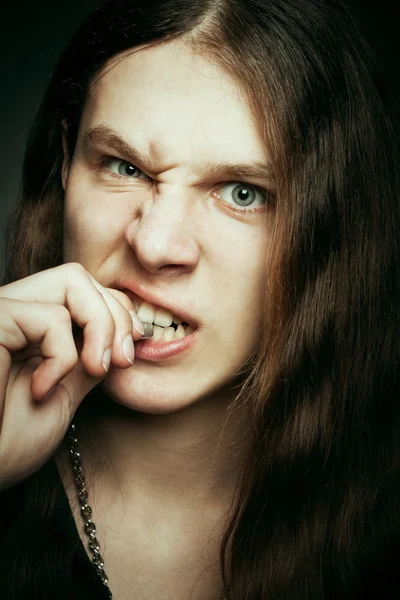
137 323
107 359
128 349
148 330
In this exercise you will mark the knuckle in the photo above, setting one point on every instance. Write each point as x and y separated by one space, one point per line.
70 358
61 315
75 269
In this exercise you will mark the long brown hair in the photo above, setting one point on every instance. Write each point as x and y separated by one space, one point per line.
317 512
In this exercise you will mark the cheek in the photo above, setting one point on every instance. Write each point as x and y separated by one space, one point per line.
91 224
239 290
250 274
243 258
78 236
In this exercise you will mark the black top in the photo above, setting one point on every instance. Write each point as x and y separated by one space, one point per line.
41 554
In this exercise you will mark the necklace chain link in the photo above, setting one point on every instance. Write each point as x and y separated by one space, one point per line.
86 511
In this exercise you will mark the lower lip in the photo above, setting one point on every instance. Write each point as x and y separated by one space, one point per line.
156 351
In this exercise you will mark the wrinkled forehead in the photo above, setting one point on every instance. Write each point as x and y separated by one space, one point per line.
169 97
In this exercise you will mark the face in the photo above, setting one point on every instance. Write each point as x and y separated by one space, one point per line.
168 198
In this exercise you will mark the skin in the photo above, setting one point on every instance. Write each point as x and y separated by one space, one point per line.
179 235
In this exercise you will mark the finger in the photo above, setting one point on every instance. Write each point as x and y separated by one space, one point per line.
32 350
123 299
70 285
108 331
30 430
47 325
125 318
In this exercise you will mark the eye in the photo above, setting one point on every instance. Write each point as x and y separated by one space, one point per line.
243 195
123 168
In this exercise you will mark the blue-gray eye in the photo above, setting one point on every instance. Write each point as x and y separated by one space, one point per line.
124 168
243 195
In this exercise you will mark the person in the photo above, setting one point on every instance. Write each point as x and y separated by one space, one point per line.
225 171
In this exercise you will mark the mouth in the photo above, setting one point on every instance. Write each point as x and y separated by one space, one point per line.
169 324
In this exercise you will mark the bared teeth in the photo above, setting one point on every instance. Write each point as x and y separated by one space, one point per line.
168 335
149 313
180 332
163 317
146 312
157 333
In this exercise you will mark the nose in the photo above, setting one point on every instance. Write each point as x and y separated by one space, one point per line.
162 232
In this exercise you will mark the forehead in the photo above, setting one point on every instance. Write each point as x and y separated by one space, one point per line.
166 98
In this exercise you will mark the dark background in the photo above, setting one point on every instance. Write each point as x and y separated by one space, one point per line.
33 34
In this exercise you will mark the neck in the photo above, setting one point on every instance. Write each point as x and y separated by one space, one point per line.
183 458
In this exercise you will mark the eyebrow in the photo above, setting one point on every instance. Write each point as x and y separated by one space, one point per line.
103 135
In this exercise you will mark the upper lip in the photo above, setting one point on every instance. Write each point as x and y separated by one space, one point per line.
133 289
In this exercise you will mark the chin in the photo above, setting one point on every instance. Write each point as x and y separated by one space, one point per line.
162 393
138 394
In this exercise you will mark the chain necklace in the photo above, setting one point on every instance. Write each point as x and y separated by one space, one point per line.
86 511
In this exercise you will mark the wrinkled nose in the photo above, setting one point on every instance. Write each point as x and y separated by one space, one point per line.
162 233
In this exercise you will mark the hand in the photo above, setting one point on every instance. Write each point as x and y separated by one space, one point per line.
45 372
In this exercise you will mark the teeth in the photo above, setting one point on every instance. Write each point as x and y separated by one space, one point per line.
169 334
157 333
146 312
163 317
180 332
